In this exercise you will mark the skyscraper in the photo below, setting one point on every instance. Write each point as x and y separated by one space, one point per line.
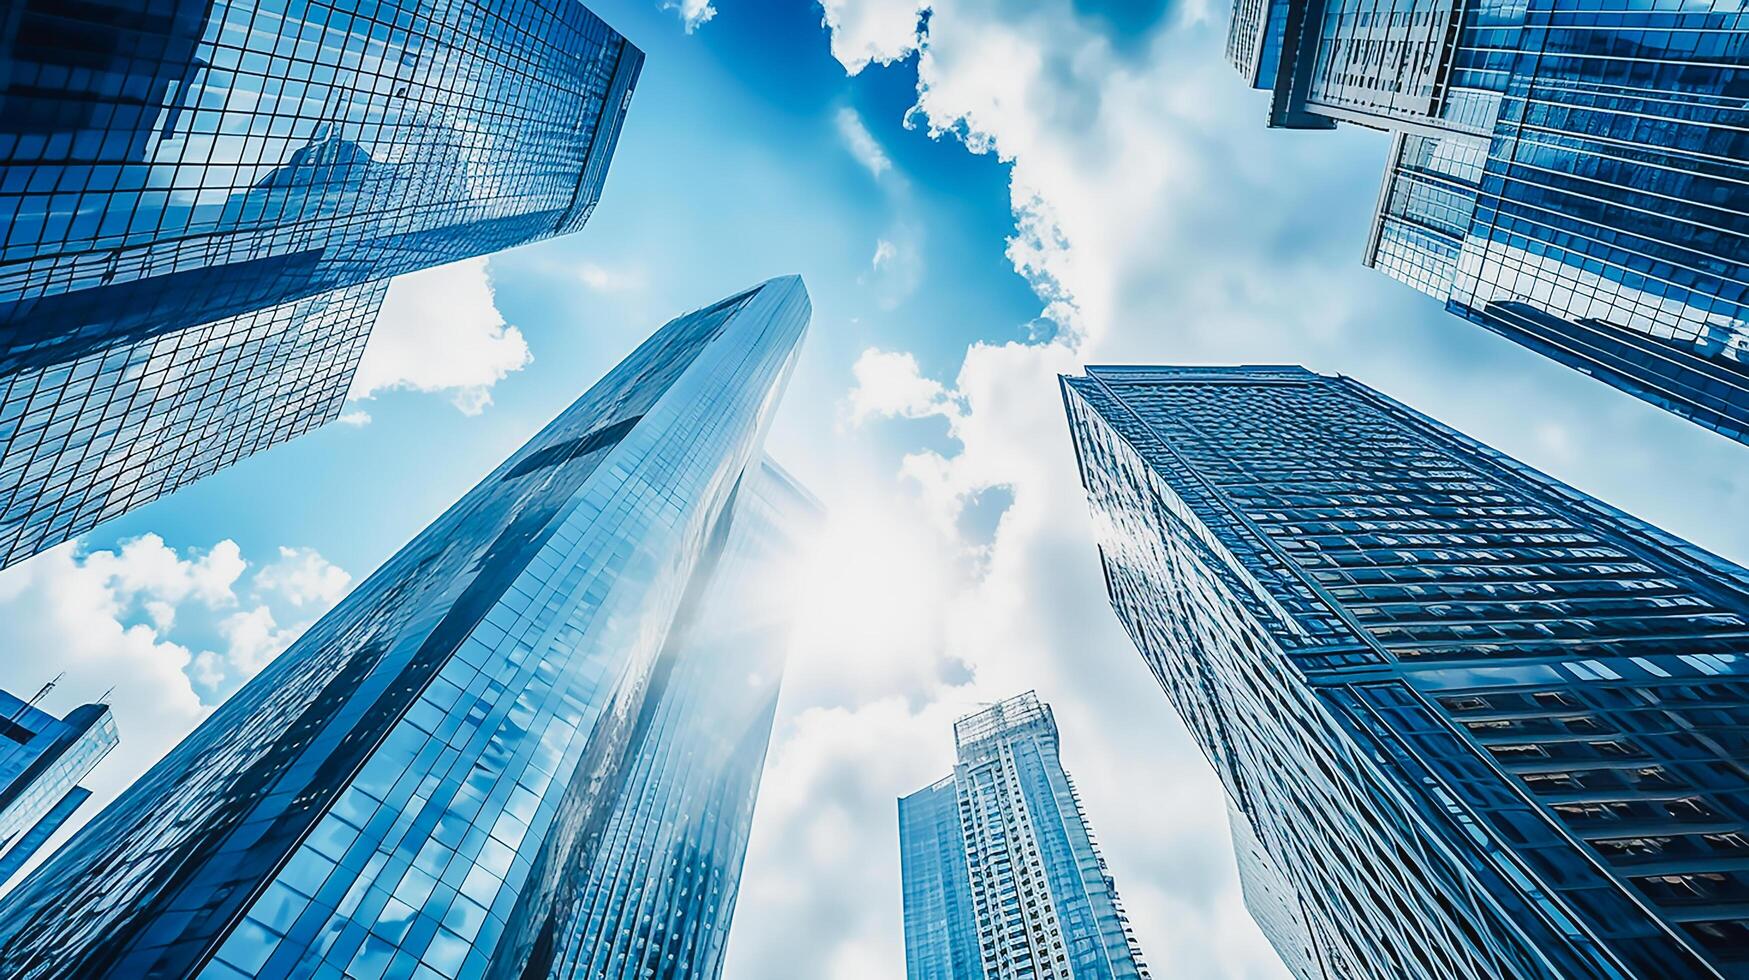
415 785
657 897
1002 877
42 759
1479 723
1567 174
202 204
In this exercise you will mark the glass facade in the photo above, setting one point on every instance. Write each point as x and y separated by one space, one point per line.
412 788
1481 723
1002 877
115 429
656 898
1567 174
202 204
42 759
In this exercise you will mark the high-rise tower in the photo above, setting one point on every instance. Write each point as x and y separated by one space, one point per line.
1002 877
42 760
413 786
657 896
1567 173
1472 722
203 202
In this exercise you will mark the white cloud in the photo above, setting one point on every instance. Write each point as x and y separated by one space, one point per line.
693 13
356 418
883 254
605 280
861 143
253 639
126 624
440 331
304 578
865 31
890 383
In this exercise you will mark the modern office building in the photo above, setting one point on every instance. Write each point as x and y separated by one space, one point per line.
1002 877
42 760
1478 723
201 204
657 896
1571 176
415 787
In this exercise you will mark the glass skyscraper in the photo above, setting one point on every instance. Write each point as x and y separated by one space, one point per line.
201 202
42 759
658 894
1002 877
420 785
1570 175
1472 722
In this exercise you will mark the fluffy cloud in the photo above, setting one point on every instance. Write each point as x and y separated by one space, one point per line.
304 578
133 625
440 331
866 31
693 13
889 383
1158 221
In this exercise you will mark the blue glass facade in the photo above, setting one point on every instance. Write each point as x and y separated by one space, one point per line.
42 759
657 896
1567 174
201 204
410 789
1481 723
1002 877
168 163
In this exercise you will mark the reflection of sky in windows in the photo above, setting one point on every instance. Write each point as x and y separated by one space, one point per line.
230 156
406 787
1524 689
1608 228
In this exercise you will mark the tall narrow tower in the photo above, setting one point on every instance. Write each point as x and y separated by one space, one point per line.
416 783
1002 877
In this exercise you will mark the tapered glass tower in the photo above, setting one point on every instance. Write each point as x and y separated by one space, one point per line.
1002 877
202 201
415 786
1472 722
656 898
1567 173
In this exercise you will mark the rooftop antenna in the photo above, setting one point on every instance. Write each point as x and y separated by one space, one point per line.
46 688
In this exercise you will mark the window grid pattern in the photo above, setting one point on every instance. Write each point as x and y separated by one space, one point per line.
176 162
1609 229
401 792
1468 572
110 431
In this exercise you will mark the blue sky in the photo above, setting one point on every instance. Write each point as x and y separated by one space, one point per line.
977 200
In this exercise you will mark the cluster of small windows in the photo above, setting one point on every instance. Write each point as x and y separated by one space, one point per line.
385 797
1465 567
1344 836
1003 879
91 439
